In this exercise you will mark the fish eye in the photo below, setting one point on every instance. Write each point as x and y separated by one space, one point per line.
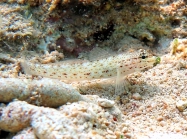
143 57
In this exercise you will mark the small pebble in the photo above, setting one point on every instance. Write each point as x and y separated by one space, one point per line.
109 131
184 113
125 100
118 134
181 105
125 130
159 118
127 135
105 103
137 96
177 129
162 123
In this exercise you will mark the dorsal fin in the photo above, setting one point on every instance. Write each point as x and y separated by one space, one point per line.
71 61
98 53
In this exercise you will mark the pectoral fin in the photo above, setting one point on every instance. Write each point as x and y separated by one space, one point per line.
121 86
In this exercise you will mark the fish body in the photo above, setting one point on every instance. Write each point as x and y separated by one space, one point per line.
114 66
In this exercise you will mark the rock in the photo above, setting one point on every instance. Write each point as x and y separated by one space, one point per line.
105 103
137 96
181 105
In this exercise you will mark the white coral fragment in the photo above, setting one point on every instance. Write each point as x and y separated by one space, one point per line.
105 103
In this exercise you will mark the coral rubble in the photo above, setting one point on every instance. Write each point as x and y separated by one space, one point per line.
76 120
